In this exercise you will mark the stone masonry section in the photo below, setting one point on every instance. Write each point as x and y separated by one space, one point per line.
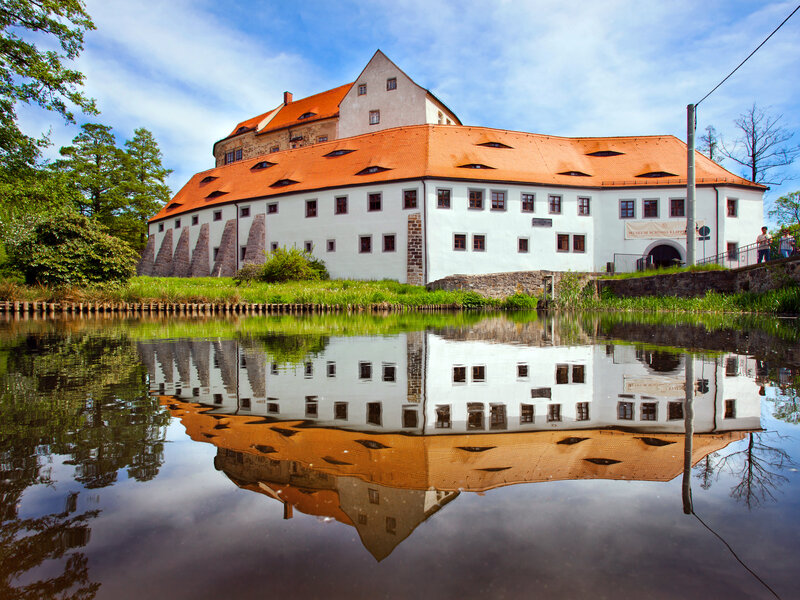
200 257
147 262
225 263
180 260
501 285
414 274
256 240
415 342
163 265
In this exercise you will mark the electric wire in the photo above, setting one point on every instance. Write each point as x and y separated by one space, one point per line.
749 55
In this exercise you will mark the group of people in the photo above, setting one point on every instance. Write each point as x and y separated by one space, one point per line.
786 245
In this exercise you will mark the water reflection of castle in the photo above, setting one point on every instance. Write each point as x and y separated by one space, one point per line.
381 432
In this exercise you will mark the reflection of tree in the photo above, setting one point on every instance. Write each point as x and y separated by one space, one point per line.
83 395
291 349
787 407
757 467
705 469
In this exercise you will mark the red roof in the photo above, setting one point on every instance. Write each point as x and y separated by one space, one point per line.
441 151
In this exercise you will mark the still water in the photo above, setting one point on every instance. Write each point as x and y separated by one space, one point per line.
467 456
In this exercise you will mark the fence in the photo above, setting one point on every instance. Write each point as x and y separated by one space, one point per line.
735 257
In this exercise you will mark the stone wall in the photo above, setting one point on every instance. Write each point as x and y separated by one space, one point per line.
501 285
414 274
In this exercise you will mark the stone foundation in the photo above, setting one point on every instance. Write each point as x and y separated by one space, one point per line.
163 264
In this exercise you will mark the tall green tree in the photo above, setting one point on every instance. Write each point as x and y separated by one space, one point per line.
786 210
34 76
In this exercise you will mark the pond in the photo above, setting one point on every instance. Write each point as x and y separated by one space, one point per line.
469 455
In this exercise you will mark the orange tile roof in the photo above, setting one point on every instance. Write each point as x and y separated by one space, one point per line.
439 151
324 106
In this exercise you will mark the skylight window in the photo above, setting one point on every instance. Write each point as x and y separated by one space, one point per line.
283 183
306 115
263 164
215 194
575 173
208 179
371 170
475 166
494 145
604 153
655 174
336 153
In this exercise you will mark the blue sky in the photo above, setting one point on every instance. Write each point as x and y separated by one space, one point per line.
189 70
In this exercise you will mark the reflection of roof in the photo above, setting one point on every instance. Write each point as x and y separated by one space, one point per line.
441 151
467 462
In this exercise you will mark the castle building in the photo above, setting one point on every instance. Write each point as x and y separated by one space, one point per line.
380 179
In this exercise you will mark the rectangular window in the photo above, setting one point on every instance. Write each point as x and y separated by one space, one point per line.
498 200
674 411
239 154
218 215
374 117
479 243
479 373
474 415
362 89
272 208
476 199
391 84
459 241
374 202
627 209
731 367
340 207
625 411
582 411
389 373
374 410
410 417
365 370
522 371
562 242
443 198
215 253
195 219
340 411
579 243
443 416
274 149
365 244
730 409
553 413
528 201
273 246
374 496
309 246
229 157
554 203
459 374
578 374
322 138
388 242
331 245
242 252
650 208
308 369
677 207
312 407
584 206
648 411
541 393
522 245
177 223
497 416
311 208
330 369
733 251
410 199
732 207
526 413
160 227
273 407
244 211
562 374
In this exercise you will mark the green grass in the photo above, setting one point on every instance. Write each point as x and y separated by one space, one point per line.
665 271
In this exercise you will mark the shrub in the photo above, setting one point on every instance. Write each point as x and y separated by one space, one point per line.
68 249
519 301
284 264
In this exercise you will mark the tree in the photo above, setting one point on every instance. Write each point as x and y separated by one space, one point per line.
763 148
144 185
786 210
710 145
34 76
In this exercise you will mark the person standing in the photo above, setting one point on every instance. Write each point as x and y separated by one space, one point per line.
763 245
786 244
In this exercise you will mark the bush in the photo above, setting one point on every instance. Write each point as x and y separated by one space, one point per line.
284 264
520 301
68 249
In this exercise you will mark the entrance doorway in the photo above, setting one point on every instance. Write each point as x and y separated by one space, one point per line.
665 256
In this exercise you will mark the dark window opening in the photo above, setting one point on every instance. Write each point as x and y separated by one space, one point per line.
553 413
474 415
306 115
475 166
443 417
371 170
335 153
374 411
526 413
656 174
604 153
575 174
410 199
493 145
459 374
410 417
262 164
582 411
283 183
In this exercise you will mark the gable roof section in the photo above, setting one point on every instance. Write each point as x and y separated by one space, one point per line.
438 151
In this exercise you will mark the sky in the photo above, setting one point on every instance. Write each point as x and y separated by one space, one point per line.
190 70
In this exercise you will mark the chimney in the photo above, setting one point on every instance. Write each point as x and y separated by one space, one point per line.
287 98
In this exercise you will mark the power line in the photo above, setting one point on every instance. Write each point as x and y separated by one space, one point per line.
749 55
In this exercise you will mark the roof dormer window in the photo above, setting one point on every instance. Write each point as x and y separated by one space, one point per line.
371 170
574 174
262 164
604 153
306 115
173 206
656 174
475 166
215 194
335 153
283 183
208 179
494 145
241 129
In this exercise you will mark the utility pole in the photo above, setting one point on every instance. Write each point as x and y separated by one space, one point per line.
691 124
688 427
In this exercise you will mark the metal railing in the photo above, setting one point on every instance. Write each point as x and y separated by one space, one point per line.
629 263
740 257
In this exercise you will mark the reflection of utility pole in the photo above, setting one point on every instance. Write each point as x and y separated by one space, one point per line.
688 425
